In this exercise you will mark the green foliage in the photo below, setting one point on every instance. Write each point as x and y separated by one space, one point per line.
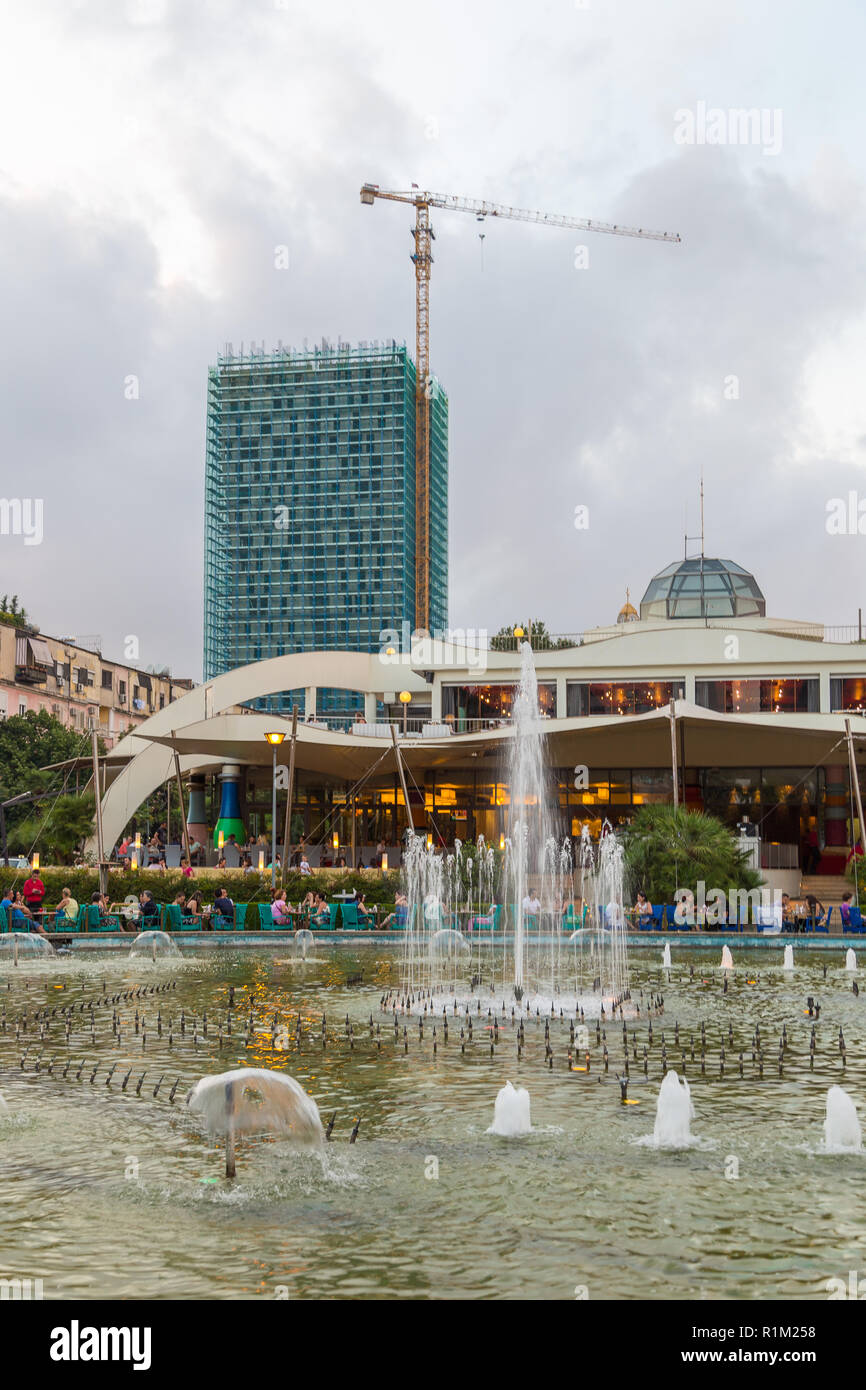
28 743
534 631
55 829
668 847
242 888
12 614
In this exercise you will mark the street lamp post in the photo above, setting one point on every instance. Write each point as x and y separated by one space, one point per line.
405 697
274 739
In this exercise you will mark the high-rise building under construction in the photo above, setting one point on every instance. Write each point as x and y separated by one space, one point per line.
310 505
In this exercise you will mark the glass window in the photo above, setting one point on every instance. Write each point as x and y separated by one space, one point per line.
782 695
620 697
848 693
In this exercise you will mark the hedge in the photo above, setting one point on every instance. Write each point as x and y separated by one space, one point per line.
243 888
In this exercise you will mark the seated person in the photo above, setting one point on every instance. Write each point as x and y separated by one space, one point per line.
304 867
193 906
67 909
845 911
223 906
21 917
364 912
787 913
398 916
149 920
280 910
321 913
643 908
814 909
531 905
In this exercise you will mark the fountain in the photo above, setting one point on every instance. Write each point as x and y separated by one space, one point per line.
674 1112
511 1112
253 1100
841 1125
850 959
153 944
788 962
19 946
727 959
447 892
303 942
666 955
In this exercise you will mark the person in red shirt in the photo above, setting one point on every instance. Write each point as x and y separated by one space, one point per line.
34 892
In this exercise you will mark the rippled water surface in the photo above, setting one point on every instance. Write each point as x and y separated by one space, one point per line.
107 1193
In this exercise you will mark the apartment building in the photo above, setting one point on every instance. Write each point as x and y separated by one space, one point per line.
80 687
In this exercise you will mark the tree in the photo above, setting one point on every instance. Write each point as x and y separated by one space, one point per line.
56 829
668 847
28 744
534 631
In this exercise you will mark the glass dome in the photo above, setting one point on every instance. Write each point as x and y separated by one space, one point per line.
703 588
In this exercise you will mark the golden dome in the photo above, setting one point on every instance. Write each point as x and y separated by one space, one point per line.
628 613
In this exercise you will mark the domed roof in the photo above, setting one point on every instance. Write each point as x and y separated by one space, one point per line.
628 613
703 588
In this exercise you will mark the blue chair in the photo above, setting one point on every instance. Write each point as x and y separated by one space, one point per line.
824 925
856 920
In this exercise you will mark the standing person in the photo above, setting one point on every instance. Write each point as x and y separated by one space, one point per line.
34 892
186 868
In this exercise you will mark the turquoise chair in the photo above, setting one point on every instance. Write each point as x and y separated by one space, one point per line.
175 920
94 921
350 917
77 923
334 916
490 920
266 919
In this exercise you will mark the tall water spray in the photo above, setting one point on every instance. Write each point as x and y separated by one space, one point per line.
529 825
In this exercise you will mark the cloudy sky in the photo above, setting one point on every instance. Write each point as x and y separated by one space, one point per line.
154 153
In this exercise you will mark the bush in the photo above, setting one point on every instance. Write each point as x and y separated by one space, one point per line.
243 888
668 848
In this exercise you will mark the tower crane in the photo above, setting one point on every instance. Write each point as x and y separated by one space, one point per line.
423 260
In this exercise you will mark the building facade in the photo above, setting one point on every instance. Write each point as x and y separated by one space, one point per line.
310 506
751 710
77 685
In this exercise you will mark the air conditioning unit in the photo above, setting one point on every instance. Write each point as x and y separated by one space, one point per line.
78 686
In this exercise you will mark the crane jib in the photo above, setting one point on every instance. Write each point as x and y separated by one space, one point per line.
423 201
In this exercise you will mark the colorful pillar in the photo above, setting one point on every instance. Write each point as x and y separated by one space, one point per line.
229 822
195 815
